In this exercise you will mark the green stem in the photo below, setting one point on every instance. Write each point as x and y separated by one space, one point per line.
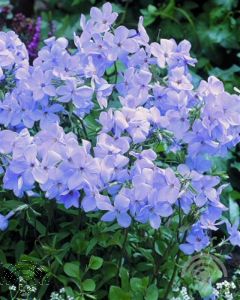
180 221
166 252
124 13
24 225
82 125
84 129
122 253
169 286
116 73
50 208
173 276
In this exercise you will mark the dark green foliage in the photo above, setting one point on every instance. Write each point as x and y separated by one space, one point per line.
211 27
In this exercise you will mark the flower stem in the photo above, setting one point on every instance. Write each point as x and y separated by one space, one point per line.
84 129
173 276
122 253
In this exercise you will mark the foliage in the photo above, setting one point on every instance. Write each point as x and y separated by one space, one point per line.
210 26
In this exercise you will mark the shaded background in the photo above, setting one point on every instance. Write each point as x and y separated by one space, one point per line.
211 26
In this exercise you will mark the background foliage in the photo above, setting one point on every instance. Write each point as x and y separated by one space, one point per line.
77 251
211 26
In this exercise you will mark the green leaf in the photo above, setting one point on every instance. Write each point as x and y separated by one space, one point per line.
2 257
110 271
11 204
91 245
19 249
159 247
186 15
63 279
79 243
150 14
148 20
233 210
139 284
216 274
236 165
95 262
225 75
76 2
222 34
229 4
169 9
124 275
72 269
37 225
217 14
116 293
204 288
4 2
117 8
152 293
151 9
160 147
69 291
147 253
88 285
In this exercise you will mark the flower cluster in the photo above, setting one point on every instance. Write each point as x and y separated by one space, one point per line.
60 295
22 289
28 29
142 94
13 56
223 290
183 295
36 33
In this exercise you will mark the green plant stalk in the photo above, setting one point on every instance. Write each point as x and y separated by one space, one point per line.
122 254
169 286
173 276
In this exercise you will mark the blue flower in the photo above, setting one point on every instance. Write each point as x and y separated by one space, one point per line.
234 233
197 240
119 211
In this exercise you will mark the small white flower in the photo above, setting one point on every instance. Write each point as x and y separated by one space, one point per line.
233 286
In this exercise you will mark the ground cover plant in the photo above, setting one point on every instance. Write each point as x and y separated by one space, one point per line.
112 167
